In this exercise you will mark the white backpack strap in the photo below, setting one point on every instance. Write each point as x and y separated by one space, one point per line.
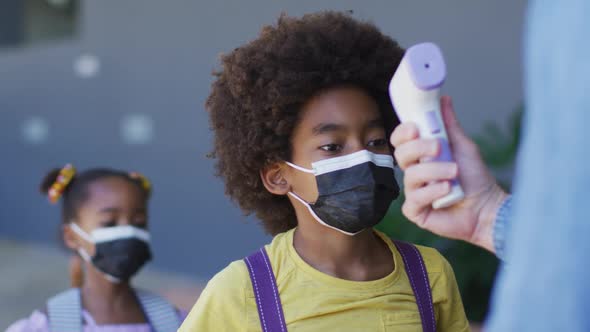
162 316
64 311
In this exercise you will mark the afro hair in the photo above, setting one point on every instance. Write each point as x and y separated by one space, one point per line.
258 93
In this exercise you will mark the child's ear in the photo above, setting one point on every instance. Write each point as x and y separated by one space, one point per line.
274 180
70 238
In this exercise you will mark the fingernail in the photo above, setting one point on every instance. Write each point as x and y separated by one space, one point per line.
448 100
412 131
453 170
434 148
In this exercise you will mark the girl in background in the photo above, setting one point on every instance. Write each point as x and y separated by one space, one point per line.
105 221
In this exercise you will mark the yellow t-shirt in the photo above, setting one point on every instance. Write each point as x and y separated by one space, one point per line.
314 301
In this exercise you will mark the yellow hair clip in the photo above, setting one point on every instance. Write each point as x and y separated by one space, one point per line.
145 183
64 178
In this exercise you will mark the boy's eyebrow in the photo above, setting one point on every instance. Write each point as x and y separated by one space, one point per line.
324 128
108 210
376 123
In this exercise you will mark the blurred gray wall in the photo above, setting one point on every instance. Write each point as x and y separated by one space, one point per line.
155 61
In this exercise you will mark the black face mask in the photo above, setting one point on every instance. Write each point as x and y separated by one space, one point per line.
355 190
120 251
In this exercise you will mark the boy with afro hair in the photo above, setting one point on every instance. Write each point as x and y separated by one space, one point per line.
301 118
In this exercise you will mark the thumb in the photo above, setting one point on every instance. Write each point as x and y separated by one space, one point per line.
454 129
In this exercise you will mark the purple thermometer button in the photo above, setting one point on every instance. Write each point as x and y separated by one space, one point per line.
445 155
432 121
445 151
427 66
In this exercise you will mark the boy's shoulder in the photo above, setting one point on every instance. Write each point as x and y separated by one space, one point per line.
233 279
236 276
434 261
224 296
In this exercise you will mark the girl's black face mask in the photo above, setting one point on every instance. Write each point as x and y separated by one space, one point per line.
355 190
121 251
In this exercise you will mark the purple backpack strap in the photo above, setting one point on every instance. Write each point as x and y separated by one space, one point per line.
416 271
270 310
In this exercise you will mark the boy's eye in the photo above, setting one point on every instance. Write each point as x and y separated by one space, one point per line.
331 147
377 142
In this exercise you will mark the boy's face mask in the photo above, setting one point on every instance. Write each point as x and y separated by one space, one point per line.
120 251
355 190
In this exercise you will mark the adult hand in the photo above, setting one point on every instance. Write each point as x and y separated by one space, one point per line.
472 219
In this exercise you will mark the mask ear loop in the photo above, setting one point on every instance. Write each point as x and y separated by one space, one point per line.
73 226
303 169
85 256
111 278
76 229
316 217
81 233
308 206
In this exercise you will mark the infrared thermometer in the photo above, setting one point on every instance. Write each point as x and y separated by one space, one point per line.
415 94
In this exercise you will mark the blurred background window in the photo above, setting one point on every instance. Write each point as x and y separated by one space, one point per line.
28 22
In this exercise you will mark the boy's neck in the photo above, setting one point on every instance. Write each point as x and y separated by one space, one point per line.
361 257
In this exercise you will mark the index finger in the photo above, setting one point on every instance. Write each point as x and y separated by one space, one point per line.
403 133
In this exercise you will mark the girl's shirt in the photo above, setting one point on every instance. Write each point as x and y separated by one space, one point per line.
38 322
314 301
